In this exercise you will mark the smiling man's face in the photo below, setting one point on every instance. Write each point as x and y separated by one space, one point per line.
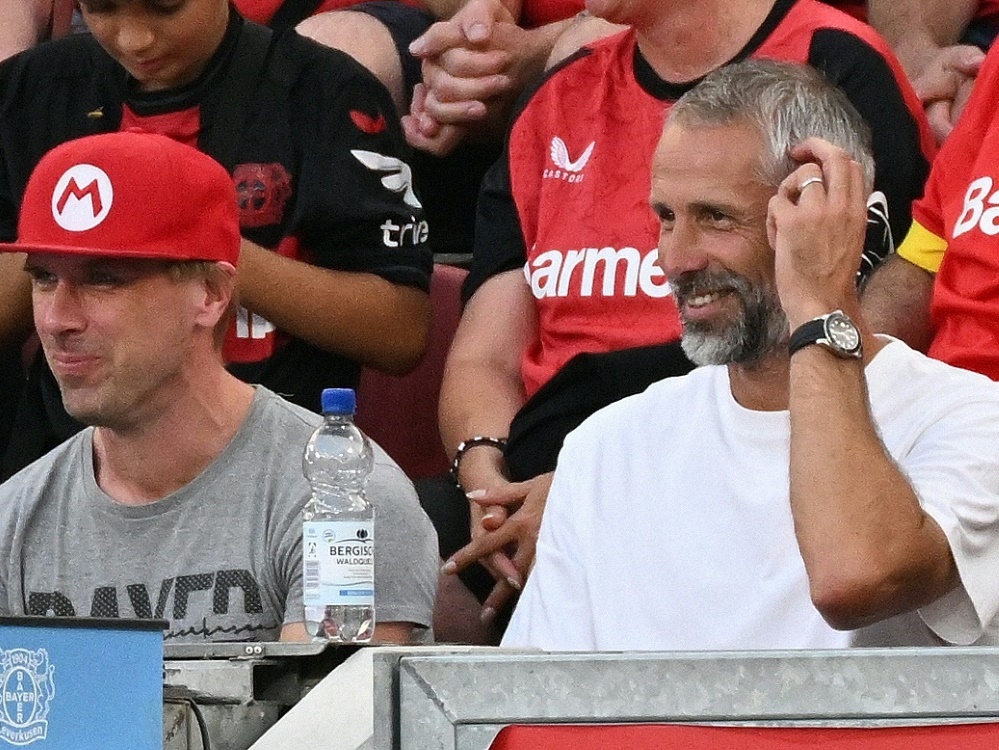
712 208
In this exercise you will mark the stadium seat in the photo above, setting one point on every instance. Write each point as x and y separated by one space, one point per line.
400 413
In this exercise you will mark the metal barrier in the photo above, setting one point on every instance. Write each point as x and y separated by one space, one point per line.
224 696
461 701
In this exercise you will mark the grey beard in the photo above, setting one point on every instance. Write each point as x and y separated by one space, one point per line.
760 329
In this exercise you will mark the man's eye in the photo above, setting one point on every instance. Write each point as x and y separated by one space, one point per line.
166 8
42 279
97 6
104 278
718 218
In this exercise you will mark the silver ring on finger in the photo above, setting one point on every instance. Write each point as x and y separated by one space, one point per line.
810 181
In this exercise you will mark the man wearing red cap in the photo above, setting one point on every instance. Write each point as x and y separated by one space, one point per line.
182 500
335 261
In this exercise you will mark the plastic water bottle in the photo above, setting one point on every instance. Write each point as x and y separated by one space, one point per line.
337 536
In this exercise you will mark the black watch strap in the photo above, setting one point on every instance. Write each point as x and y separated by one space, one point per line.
806 334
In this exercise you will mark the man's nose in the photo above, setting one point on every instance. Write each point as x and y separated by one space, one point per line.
679 251
59 310
134 35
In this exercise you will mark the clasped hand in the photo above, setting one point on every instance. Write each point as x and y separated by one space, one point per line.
505 524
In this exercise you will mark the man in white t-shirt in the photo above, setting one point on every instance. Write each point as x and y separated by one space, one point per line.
816 489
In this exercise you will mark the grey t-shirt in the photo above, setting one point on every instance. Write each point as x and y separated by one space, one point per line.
220 559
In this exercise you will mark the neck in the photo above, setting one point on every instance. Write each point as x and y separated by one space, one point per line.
763 386
689 40
766 386
159 456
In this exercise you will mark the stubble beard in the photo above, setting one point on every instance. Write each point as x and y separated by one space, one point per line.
759 330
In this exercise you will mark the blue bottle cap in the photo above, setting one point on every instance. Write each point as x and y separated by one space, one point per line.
339 401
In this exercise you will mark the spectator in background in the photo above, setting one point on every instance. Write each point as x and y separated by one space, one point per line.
940 292
335 262
939 43
182 499
567 207
817 489
478 61
376 33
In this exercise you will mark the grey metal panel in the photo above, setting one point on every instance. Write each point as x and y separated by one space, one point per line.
385 672
424 721
439 693
255 650
475 736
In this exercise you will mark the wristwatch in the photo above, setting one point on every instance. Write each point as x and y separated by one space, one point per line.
835 331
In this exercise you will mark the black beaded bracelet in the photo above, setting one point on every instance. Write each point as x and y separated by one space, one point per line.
466 445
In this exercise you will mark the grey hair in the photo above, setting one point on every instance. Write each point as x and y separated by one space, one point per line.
786 103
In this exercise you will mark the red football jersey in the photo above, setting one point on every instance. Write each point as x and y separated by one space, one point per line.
858 8
961 206
988 8
539 12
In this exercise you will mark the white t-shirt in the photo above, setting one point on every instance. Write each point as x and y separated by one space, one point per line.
668 525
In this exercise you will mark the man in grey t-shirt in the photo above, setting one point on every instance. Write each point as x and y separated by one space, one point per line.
183 498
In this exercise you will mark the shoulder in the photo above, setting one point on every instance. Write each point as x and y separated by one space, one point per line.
323 90
47 477
656 407
577 73
281 420
73 58
931 391
53 72
812 16
816 33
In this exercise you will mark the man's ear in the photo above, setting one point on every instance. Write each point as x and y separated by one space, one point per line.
216 294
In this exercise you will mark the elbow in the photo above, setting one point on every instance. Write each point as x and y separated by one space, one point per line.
842 609
401 360
403 350
848 600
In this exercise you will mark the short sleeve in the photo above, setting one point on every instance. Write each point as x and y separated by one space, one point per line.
355 206
923 248
954 470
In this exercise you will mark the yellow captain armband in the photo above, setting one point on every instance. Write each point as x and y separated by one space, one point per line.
923 248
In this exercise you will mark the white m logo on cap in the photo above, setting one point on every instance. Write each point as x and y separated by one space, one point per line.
82 198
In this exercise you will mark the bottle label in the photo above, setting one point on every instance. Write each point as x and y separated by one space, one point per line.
338 563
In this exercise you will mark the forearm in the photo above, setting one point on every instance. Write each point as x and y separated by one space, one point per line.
918 29
482 389
896 301
23 22
869 549
478 399
359 315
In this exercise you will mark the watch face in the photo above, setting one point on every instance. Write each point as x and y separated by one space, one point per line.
842 333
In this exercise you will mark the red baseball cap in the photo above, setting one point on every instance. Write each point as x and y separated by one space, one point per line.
129 195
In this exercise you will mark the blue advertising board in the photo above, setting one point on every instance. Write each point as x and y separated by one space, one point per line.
81 683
